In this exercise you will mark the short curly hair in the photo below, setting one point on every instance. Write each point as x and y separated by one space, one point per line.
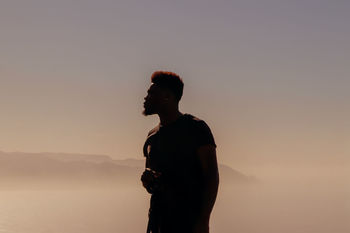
170 81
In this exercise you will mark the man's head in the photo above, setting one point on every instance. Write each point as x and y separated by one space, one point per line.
164 93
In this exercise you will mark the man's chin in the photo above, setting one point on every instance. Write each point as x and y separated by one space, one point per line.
147 113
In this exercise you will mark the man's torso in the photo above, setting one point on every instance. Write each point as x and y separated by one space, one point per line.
171 150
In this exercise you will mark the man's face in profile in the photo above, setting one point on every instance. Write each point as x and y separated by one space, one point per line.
154 100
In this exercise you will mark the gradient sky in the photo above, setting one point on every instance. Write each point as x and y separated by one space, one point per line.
270 77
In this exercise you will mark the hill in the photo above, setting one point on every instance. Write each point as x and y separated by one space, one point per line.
78 169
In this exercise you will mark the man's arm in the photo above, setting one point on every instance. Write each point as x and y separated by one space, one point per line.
210 174
146 177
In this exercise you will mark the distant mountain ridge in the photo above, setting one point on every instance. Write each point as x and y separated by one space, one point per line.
84 168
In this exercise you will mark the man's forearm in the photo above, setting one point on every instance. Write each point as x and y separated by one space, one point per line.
210 179
210 191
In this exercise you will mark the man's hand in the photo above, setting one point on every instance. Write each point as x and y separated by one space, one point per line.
148 179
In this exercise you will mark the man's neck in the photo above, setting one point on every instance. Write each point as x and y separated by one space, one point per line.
169 117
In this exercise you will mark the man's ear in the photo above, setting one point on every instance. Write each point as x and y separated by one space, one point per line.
168 95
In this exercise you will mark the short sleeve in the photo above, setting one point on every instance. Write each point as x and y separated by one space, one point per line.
150 135
203 134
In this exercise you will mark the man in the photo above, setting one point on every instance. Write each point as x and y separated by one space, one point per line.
181 167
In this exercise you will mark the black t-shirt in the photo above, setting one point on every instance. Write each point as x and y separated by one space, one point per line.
171 150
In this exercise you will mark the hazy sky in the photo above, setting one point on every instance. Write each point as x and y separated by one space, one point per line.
270 77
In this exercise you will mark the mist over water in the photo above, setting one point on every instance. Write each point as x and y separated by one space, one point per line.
72 211
302 207
306 205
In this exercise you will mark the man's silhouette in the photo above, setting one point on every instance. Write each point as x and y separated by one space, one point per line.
181 167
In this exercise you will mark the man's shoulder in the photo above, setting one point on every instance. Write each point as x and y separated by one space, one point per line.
188 121
200 130
191 117
153 131
195 121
